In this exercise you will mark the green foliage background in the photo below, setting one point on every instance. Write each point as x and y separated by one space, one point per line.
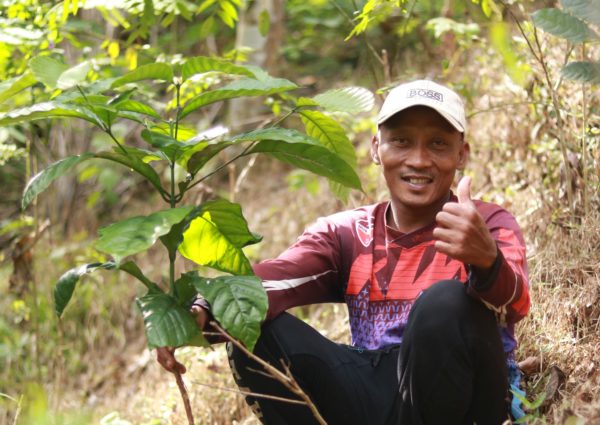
529 72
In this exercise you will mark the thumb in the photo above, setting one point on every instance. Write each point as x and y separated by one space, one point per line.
463 191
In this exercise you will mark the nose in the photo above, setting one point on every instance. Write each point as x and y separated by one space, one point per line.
418 157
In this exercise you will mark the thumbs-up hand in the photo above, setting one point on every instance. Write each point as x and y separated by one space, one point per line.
462 233
463 191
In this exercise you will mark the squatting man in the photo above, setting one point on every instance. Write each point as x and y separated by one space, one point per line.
434 282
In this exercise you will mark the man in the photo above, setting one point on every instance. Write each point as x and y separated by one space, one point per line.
434 284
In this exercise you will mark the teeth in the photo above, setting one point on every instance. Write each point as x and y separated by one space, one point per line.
418 181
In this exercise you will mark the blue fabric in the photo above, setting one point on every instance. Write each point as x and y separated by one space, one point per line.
514 382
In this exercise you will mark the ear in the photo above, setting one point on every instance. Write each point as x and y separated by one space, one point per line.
374 150
463 158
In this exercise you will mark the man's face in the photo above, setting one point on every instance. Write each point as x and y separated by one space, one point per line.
419 152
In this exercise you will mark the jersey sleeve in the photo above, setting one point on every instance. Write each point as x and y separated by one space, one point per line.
505 289
308 272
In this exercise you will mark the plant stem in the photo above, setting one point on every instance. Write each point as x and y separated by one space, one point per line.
554 97
186 399
583 142
559 122
173 199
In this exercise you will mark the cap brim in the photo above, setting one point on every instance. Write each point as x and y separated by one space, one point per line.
457 125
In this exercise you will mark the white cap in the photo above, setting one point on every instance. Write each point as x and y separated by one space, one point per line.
426 93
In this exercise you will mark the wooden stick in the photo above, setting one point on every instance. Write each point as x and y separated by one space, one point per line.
184 396
285 378
257 395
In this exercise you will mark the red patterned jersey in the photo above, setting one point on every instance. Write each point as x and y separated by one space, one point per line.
354 257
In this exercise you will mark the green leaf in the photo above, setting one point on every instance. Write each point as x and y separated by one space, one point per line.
231 222
176 151
185 290
136 234
183 132
48 110
73 76
350 99
16 85
199 159
202 64
42 180
264 22
563 25
275 133
173 239
151 71
242 87
131 105
164 143
47 69
316 159
144 155
63 290
167 323
583 72
588 10
330 133
216 236
133 162
239 303
132 268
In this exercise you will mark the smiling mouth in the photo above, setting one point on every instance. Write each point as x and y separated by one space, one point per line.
417 180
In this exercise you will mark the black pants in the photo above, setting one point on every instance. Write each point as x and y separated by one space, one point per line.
450 369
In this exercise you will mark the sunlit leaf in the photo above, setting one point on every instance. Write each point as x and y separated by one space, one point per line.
42 180
136 234
47 69
316 159
151 71
349 99
239 88
15 85
183 133
73 76
216 236
239 303
563 25
331 134
588 10
583 72
63 290
202 64
167 323
48 110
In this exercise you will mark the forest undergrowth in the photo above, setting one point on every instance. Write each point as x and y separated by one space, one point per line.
94 364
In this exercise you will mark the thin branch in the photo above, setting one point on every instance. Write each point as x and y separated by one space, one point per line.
185 397
555 103
247 393
286 379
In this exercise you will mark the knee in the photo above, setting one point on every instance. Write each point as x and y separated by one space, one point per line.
446 305
445 299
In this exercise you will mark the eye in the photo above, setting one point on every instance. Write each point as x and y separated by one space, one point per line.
439 144
400 141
